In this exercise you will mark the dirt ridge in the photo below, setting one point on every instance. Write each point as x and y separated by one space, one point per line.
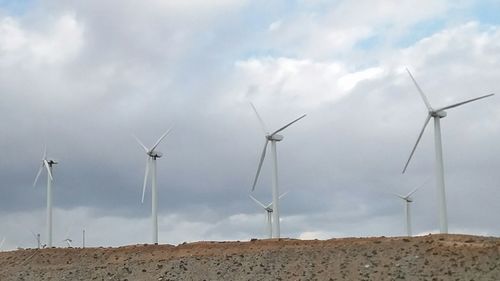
431 257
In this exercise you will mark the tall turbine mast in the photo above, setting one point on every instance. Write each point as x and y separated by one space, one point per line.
273 138
47 163
437 114
152 155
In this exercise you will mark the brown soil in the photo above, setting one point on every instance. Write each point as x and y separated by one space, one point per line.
431 257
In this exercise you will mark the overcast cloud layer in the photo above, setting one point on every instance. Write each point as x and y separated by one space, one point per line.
83 77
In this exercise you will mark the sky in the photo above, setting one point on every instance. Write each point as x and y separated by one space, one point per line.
83 77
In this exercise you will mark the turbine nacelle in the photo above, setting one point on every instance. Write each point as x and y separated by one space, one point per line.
155 154
440 114
274 137
51 162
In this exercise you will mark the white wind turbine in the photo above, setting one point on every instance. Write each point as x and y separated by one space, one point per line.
37 239
269 211
273 138
407 198
1 243
437 114
152 155
68 241
47 163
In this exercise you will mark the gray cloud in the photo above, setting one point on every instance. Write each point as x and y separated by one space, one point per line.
84 78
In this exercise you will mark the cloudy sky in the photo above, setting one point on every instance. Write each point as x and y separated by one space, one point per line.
84 76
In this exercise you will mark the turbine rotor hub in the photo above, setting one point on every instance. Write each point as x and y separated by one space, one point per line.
275 137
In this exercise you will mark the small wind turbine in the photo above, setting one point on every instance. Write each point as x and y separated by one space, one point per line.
273 138
47 163
408 200
68 241
269 211
437 114
151 165
37 238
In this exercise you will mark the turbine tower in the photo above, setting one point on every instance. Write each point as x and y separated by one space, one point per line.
269 211
408 200
273 138
47 163
152 155
437 114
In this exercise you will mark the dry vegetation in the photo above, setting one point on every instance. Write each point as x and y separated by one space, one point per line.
432 257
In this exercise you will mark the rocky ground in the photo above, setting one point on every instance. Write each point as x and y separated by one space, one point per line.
431 257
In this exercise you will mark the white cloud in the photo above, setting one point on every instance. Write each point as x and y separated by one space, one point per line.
58 44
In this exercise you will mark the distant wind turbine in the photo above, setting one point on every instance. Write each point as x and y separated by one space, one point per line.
273 137
407 198
269 211
437 114
68 241
1 243
37 239
152 155
47 163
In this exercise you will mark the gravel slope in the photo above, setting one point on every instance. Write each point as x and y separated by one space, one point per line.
431 257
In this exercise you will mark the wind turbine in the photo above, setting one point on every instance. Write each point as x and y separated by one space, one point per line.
68 241
37 238
408 200
273 138
437 114
1 243
152 155
269 211
47 163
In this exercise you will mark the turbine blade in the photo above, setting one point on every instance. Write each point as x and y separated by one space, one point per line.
140 143
464 102
418 140
1 242
286 192
429 107
49 172
38 174
44 152
262 156
270 204
287 125
146 176
160 139
417 188
400 196
262 124
257 201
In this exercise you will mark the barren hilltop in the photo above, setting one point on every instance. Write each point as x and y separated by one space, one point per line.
431 257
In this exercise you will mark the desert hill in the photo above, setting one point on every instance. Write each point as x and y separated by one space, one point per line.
431 257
